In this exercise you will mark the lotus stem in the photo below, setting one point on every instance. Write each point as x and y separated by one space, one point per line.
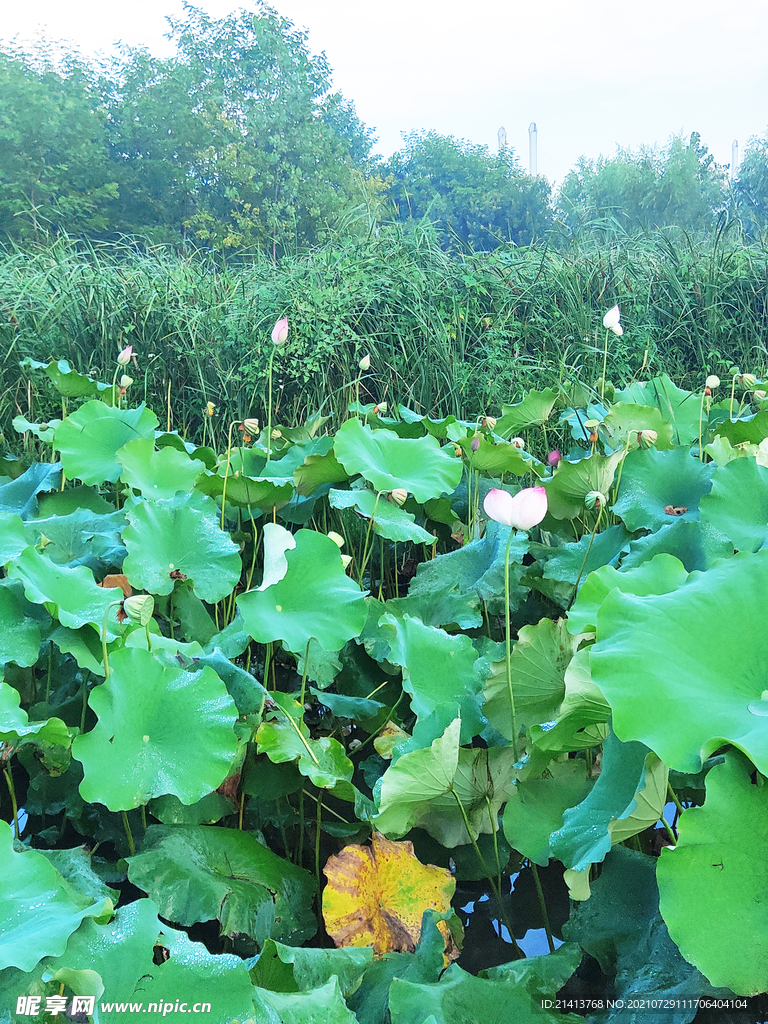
226 473
269 408
508 649
586 555
14 803
105 654
128 834
605 368
542 905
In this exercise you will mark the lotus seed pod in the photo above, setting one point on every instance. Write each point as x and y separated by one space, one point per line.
139 608
398 496
518 442
365 363
594 500
346 560
647 438
748 380
380 409
125 356
251 426
210 408
126 381
475 444
489 422
337 539
760 395
712 381
458 450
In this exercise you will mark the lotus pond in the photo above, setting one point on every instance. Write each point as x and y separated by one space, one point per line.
295 731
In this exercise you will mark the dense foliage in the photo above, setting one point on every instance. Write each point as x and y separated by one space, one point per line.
297 687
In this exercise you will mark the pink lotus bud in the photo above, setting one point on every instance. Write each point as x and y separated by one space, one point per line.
280 331
125 356
475 444
611 318
521 511
553 458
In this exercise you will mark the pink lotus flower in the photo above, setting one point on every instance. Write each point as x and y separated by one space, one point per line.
124 356
521 511
280 331
553 458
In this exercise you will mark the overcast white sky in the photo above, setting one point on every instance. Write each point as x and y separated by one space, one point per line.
593 74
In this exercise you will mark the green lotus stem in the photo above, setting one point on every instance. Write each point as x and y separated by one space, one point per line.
301 736
494 831
14 803
675 799
733 392
508 649
226 473
670 833
319 821
542 905
85 700
487 873
269 409
366 552
104 651
300 850
701 418
128 834
329 809
605 367
48 680
304 675
586 555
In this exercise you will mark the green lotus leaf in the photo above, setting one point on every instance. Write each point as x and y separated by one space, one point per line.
82 538
83 644
206 873
323 1003
516 994
577 415
533 411
282 968
76 868
63 503
37 912
476 570
715 874
70 595
285 737
582 717
388 520
314 600
536 807
180 535
321 666
496 458
443 675
620 926
696 545
653 483
538 661
13 537
660 575
700 681
571 482
19 632
440 608
577 560
138 957
91 437
171 811
737 505
160 730
19 496
67 381
625 419
157 474
628 796
15 725
751 428
318 469
680 408
386 461
44 431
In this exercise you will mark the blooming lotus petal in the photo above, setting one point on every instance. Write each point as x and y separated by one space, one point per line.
280 331
521 511
611 318
618 330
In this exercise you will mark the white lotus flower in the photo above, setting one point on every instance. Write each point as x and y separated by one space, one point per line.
611 318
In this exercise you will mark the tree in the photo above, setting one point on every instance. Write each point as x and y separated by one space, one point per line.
679 186
471 195
751 186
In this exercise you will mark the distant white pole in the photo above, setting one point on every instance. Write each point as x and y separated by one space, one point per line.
502 139
532 156
734 159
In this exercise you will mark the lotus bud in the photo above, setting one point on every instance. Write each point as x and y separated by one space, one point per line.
280 331
139 608
521 511
398 496
346 560
734 371
125 356
554 457
647 438
748 380
251 426
712 381
489 422
126 381
595 499
276 434
210 409
518 442
611 318
475 444
365 363
618 330
43 543
337 539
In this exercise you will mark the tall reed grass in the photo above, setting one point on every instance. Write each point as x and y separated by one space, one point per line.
446 333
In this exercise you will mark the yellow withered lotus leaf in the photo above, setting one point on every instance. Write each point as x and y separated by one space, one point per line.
376 896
